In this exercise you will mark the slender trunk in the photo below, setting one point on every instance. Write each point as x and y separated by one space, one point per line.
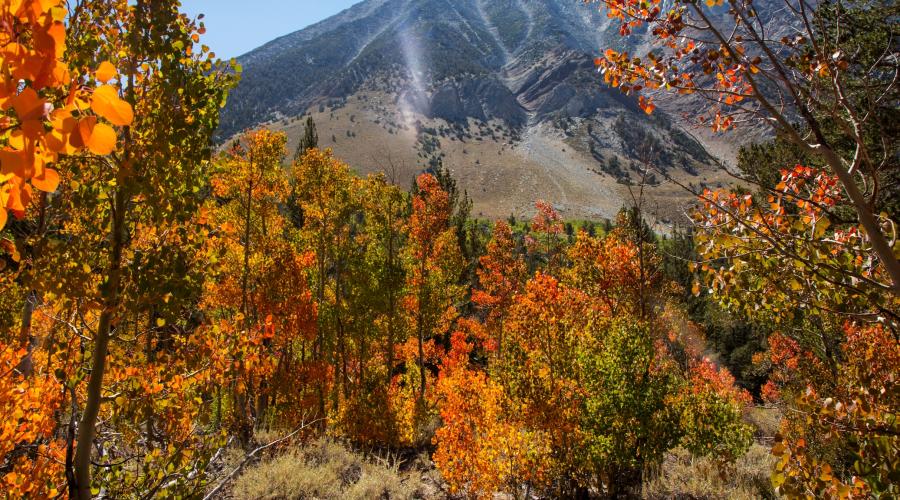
26 365
262 404
110 301
319 347
640 231
246 270
420 327
240 403
361 355
218 407
342 340
420 335
150 353
70 447
421 360
392 306
344 369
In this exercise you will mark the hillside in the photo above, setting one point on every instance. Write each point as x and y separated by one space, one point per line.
504 93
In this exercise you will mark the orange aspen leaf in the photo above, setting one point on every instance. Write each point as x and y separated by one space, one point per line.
106 72
106 103
102 140
48 182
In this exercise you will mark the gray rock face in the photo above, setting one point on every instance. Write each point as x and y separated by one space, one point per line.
485 50
481 99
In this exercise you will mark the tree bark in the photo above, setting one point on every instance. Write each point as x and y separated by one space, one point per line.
110 302
26 365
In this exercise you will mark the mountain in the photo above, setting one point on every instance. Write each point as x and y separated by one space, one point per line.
503 92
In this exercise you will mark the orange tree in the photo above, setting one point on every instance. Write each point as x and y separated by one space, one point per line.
479 447
547 323
831 72
584 393
327 196
545 242
434 265
260 307
502 273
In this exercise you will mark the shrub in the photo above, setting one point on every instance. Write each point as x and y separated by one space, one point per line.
323 469
682 475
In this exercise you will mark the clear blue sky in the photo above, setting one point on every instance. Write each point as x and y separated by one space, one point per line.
235 27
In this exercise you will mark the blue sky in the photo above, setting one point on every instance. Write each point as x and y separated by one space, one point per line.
235 27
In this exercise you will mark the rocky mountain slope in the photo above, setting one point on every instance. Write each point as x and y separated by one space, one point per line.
503 92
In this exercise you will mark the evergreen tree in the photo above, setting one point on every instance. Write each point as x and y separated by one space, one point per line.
309 140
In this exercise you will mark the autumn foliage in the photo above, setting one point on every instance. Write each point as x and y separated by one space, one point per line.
829 362
579 393
61 110
164 300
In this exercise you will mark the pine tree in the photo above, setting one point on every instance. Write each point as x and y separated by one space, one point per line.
309 140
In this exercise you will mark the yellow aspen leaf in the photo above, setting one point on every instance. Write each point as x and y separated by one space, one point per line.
106 103
3 217
106 72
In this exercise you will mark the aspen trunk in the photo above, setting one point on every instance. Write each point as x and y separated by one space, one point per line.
26 365
110 302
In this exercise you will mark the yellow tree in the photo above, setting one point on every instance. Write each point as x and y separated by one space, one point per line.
327 194
148 178
373 316
248 185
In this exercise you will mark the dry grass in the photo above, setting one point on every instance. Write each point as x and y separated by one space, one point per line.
325 469
685 477
766 420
